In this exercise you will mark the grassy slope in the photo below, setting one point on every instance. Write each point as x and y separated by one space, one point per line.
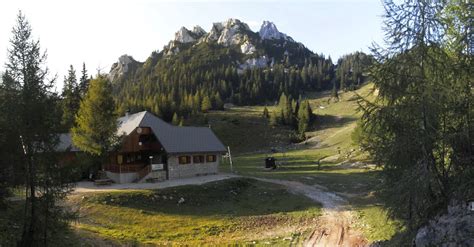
231 211
331 139
245 131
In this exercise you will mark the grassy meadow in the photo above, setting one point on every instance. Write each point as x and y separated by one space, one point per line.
237 211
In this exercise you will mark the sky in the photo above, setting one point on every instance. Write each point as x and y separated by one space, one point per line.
97 32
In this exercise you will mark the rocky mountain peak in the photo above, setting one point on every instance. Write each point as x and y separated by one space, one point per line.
235 23
123 66
184 35
229 32
268 30
198 30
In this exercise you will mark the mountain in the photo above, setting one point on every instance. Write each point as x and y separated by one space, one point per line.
229 63
125 65
258 49
270 31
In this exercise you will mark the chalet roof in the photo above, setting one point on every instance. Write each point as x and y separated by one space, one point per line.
174 139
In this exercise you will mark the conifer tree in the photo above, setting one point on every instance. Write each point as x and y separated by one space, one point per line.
96 122
273 119
335 94
28 101
422 115
304 117
206 104
175 120
265 113
219 102
71 99
83 81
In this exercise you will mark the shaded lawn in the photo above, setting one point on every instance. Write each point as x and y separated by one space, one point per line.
234 197
11 227
231 211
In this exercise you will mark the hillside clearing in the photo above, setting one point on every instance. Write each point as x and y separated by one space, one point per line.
343 167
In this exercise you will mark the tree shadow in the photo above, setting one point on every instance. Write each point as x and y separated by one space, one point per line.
232 198
332 121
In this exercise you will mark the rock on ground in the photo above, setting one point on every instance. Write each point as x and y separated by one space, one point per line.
454 228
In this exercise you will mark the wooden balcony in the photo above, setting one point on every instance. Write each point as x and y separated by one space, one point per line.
124 168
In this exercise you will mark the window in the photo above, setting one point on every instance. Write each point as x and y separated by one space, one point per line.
184 160
211 158
198 159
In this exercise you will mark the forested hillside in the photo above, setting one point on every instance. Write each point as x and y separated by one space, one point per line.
198 71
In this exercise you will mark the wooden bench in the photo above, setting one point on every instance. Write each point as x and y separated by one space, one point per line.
103 181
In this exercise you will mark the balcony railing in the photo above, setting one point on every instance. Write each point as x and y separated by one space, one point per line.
124 168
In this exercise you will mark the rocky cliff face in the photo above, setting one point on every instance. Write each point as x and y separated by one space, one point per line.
230 32
125 65
187 36
268 30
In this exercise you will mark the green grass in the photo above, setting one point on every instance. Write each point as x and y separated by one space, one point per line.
330 137
231 211
375 223
246 131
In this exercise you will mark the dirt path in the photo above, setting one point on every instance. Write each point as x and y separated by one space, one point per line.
82 187
335 228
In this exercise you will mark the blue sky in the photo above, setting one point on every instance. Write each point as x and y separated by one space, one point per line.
98 32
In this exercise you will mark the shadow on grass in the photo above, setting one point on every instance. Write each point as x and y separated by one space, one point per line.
11 225
331 121
233 197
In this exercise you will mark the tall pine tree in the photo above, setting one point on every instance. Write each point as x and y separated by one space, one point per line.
71 99
29 102
83 81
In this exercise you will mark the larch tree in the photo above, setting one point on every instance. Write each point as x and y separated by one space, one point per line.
96 121
419 129
304 118
274 119
175 120
206 104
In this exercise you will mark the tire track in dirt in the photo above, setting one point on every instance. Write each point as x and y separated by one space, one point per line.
335 225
